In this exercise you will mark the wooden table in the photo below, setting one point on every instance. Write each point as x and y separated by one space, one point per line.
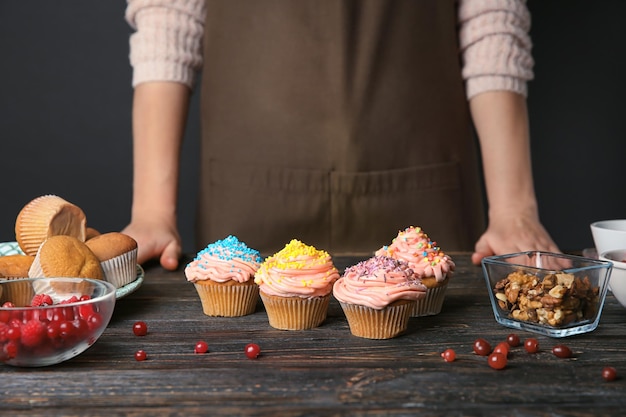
324 371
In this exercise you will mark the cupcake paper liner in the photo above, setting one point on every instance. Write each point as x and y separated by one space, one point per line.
432 303
295 313
34 220
19 293
232 300
121 270
370 323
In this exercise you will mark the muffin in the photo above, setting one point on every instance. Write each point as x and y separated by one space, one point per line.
15 266
66 257
428 261
296 285
117 253
223 275
377 296
47 216
90 232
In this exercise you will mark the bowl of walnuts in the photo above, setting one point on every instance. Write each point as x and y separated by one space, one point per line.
552 294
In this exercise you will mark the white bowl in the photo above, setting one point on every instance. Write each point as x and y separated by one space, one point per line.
609 235
617 282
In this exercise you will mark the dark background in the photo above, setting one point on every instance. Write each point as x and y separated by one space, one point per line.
65 107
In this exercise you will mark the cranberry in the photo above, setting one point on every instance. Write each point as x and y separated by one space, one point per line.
513 340
66 329
140 328
201 347
562 351
54 329
448 355
531 345
141 355
94 321
609 373
10 349
85 311
252 350
14 333
502 347
81 327
497 360
482 347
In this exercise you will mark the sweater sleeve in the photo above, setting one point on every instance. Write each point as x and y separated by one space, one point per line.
167 42
495 45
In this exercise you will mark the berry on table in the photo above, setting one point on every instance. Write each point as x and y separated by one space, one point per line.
482 347
141 355
140 328
562 351
502 347
513 340
448 355
531 345
497 360
252 350
609 373
201 347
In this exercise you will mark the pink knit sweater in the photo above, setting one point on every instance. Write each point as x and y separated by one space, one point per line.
493 37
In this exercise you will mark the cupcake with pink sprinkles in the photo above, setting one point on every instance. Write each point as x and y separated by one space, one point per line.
428 261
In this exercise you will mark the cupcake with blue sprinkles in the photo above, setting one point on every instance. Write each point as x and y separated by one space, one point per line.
223 275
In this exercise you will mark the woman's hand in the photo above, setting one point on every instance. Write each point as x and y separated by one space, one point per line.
156 239
513 232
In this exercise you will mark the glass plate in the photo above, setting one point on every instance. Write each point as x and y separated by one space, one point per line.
12 248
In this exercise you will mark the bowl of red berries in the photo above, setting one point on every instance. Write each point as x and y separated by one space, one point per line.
552 294
45 321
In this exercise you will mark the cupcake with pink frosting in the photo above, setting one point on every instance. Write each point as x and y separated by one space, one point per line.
377 296
223 275
428 261
295 286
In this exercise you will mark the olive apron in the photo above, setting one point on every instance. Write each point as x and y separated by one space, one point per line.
335 122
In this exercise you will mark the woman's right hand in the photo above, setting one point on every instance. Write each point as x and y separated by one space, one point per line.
156 239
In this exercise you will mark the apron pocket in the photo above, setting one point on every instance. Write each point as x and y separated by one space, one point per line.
286 204
368 209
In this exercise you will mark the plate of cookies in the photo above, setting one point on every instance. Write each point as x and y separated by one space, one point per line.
52 240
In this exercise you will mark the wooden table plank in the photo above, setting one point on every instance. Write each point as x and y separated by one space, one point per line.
323 371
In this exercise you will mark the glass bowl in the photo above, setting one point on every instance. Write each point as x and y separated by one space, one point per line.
68 316
552 294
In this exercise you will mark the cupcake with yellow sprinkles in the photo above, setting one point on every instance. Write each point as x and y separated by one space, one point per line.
295 285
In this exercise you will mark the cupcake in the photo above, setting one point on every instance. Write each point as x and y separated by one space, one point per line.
47 216
223 275
117 253
65 257
432 265
296 285
377 296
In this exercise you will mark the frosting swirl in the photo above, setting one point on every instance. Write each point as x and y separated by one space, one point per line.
427 259
378 282
224 260
297 270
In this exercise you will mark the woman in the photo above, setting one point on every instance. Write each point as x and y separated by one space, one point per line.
336 122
